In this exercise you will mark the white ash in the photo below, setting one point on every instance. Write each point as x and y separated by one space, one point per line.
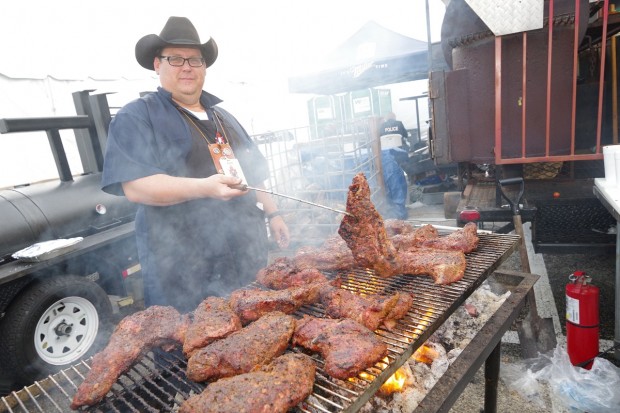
458 330
454 354
449 341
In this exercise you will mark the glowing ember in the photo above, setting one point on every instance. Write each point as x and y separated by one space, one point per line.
362 375
425 354
394 383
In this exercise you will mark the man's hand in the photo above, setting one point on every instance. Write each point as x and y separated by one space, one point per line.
279 231
163 190
223 187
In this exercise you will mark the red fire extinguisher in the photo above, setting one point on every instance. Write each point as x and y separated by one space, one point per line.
582 319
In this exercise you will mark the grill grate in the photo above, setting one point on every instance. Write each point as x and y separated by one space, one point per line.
157 383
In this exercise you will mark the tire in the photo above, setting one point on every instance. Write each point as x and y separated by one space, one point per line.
52 324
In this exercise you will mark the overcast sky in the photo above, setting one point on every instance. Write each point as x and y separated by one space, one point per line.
73 38
261 44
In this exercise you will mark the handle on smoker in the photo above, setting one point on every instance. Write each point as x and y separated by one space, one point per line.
514 205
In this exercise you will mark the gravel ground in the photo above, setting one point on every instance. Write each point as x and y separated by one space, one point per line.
508 400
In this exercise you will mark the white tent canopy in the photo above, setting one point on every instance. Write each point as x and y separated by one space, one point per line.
52 49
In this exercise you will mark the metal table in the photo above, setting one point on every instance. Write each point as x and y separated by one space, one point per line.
610 198
485 348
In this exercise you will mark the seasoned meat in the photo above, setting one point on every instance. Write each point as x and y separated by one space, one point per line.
244 350
369 310
284 273
133 336
464 240
415 238
347 347
399 311
366 236
252 304
444 266
364 232
397 227
213 319
333 255
274 388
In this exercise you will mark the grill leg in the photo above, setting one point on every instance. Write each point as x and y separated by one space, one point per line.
491 378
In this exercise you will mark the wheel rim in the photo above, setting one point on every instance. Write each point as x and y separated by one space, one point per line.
66 330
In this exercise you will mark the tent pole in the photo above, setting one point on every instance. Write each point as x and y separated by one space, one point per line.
428 38
429 52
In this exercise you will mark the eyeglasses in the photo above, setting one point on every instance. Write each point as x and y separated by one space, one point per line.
178 61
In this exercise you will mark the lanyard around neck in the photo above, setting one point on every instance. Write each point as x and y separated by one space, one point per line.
218 126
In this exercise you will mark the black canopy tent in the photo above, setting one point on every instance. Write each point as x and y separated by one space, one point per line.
373 56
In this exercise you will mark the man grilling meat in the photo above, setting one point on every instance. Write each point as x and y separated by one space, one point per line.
182 159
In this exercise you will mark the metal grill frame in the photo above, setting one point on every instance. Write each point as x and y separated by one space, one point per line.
157 382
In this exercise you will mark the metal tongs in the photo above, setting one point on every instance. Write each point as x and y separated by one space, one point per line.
268 191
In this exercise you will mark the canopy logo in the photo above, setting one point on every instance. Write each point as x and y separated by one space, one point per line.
360 69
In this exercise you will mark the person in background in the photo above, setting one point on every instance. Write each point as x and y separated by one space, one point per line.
392 126
394 177
198 231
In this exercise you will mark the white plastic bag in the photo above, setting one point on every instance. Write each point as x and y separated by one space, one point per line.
525 378
571 389
579 390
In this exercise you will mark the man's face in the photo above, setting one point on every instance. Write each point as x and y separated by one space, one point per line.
181 81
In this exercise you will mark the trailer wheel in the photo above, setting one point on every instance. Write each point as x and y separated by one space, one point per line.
52 324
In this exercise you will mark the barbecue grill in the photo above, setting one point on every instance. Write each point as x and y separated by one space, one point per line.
157 383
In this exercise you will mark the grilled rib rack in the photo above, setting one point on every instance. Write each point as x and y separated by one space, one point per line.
157 383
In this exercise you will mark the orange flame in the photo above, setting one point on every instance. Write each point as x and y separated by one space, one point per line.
394 384
425 354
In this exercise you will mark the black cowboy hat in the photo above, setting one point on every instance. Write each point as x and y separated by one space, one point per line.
178 31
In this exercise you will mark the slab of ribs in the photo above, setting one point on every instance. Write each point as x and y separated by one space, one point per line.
464 240
252 303
133 336
212 320
347 347
244 350
283 273
333 255
274 388
415 252
363 231
371 310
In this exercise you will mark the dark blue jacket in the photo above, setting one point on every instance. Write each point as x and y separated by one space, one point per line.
195 248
